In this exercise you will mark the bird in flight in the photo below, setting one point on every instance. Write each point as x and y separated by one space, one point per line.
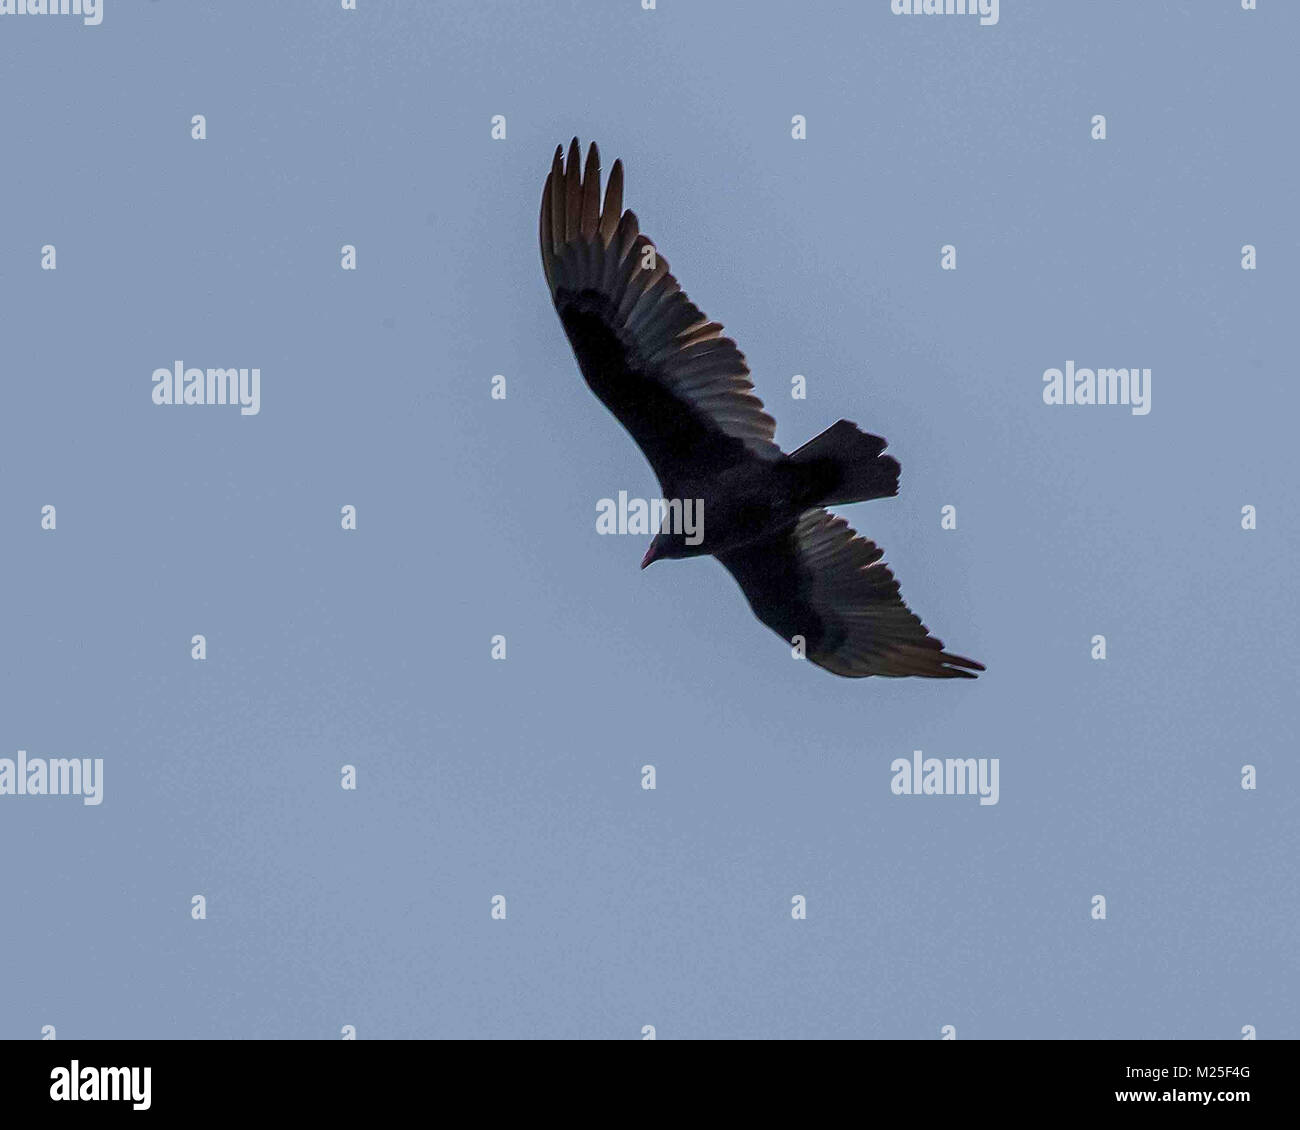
682 391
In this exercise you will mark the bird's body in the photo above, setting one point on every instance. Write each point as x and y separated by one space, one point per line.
742 504
683 392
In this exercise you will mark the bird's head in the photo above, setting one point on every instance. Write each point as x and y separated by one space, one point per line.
658 548
673 542
665 544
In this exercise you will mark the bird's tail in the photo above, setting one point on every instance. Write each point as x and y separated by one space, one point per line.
846 465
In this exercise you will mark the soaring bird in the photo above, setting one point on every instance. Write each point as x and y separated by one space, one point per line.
682 391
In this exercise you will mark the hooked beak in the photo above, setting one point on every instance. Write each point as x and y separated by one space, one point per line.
649 556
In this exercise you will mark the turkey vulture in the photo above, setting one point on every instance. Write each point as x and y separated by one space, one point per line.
683 392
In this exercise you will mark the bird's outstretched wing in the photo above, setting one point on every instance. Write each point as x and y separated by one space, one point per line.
821 581
675 383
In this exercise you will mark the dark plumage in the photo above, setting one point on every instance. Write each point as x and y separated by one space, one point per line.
683 392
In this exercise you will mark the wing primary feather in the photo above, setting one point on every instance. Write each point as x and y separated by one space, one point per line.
573 192
613 203
557 199
591 193
544 232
